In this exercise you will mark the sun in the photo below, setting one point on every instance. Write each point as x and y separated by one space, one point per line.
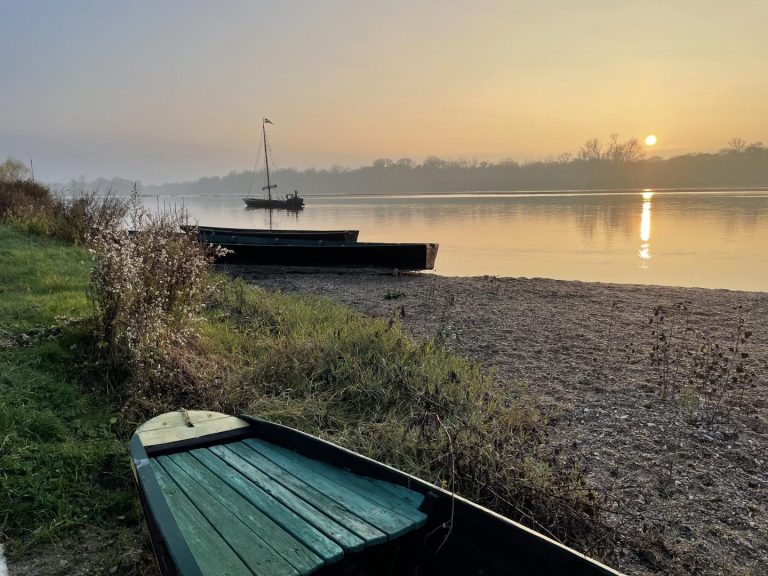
650 140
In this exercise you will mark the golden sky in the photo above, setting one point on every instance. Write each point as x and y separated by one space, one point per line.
176 90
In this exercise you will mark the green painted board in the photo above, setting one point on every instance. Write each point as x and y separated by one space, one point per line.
348 540
413 498
368 509
373 490
212 553
320 544
282 542
307 492
260 558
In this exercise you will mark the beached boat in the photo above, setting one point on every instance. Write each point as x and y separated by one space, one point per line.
322 253
227 495
335 235
292 202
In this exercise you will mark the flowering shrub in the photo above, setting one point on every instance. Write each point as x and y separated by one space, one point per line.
148 285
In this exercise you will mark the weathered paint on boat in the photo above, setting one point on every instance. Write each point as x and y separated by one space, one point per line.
349 513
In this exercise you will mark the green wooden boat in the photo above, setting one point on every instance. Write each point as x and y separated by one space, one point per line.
242 496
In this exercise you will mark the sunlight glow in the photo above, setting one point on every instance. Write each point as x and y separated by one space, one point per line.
645 221
645 231
651 140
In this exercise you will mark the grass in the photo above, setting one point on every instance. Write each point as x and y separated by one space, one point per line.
41 281
319 366
299 360
61 463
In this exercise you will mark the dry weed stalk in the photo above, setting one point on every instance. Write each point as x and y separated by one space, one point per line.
709 378
148 286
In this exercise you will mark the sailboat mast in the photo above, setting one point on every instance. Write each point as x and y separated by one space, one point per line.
266 157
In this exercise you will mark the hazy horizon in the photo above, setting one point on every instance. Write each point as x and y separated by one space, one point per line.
175 91
259 166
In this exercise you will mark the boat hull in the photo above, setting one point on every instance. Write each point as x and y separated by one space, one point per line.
280 252
293 203
458 536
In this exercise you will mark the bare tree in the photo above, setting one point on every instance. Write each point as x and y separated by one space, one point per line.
737 145
633 150
628 151
592 150
13 169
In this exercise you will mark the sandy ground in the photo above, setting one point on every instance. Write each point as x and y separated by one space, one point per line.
696 492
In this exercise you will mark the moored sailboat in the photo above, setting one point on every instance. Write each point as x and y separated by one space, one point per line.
292 202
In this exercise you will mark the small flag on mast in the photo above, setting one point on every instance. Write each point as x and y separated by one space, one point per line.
267 121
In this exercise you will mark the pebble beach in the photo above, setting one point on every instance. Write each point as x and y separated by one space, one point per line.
691 485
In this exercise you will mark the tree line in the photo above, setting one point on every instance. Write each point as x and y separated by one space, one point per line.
614 164
597 165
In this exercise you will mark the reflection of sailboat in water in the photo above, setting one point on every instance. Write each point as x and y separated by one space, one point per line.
292 202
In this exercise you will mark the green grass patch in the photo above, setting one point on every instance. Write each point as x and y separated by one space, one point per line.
41 281
61 463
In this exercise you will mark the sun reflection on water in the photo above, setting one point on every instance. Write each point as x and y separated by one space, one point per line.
645 230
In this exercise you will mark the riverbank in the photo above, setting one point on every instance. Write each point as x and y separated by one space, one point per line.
687 475
66 500
319 365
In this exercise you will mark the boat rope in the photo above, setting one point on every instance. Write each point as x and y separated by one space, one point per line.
275 169
255 165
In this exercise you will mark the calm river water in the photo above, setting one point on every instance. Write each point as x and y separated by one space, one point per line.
707 239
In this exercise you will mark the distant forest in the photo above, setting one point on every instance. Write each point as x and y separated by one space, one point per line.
596 166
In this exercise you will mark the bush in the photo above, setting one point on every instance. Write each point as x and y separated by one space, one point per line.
78 219
34 208
18 197
147 288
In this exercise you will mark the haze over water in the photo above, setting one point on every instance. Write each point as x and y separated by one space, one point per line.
704 239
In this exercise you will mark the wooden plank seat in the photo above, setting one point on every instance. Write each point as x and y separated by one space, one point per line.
252 507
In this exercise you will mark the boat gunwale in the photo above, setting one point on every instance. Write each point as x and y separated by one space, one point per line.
172 551
247 232
291 242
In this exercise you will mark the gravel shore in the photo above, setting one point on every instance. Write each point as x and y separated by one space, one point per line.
693 489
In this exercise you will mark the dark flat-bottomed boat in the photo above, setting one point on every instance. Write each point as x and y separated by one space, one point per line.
242 496
321 253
